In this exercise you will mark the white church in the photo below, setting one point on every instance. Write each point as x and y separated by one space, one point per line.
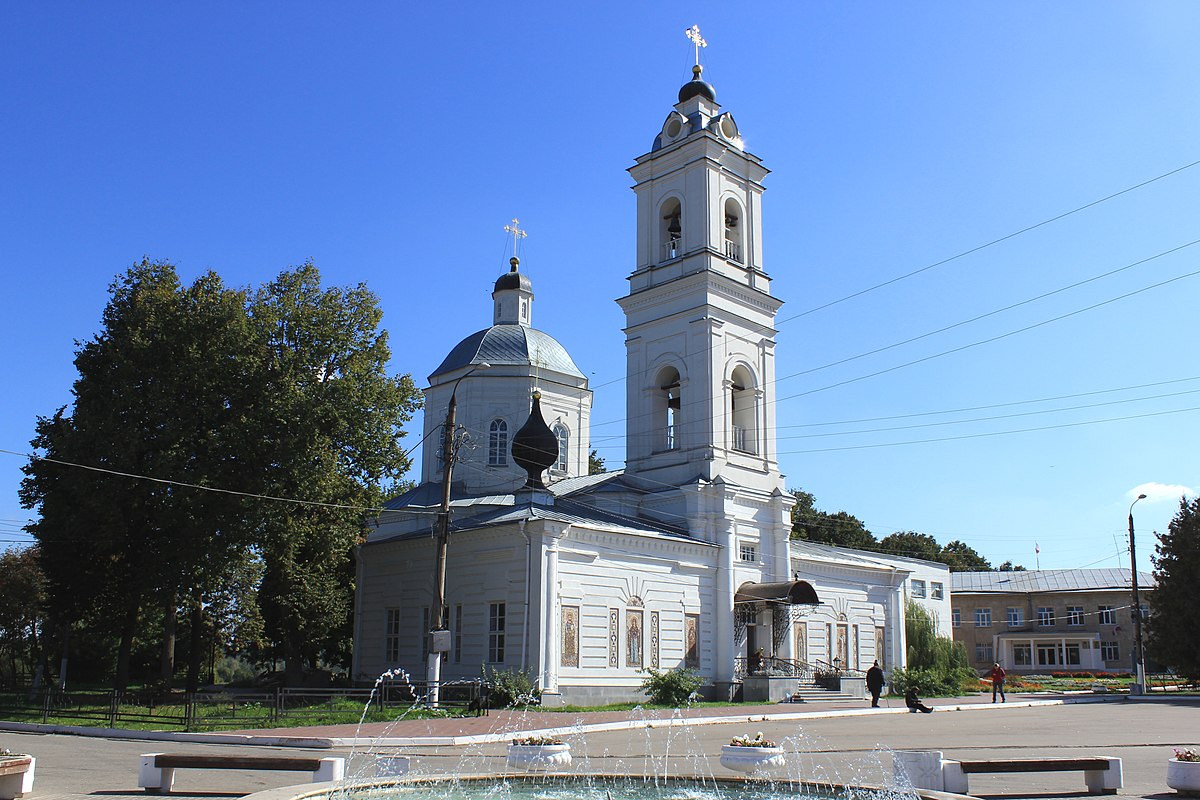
682 559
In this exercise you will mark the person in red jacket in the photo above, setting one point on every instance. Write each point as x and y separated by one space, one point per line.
998 674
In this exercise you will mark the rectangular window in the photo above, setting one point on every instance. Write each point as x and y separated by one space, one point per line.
458 634
936 590
1047 655
955 617
391 636
747 552
1107 616
983 618
1072 655
918 588
1016 617
1109 651
983 652
496 633
1022 655
1045 616
1075 615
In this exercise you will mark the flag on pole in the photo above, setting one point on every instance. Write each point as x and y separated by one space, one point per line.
1036 549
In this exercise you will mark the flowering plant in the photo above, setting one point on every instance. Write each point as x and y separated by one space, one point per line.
537 741
756 740
1187 754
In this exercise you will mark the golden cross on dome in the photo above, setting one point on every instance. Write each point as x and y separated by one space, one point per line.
516 232
693 33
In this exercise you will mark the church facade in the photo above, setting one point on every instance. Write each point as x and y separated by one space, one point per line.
682 559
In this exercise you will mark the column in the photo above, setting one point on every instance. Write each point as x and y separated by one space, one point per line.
551 613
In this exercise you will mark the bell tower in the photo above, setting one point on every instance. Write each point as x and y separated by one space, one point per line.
700 336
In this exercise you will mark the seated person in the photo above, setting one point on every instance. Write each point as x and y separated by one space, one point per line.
914 703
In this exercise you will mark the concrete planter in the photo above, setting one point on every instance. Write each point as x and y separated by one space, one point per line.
539 756
767 688
750 759
16 776
1184 776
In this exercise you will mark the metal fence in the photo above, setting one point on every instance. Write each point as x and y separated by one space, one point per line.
232 708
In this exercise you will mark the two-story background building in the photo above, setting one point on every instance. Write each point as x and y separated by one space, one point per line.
1040 621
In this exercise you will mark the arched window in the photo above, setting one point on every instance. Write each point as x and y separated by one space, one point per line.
564 441
498 443
667 406
733 230
743 406
671 230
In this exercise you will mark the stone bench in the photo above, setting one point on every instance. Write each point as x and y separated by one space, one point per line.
927 769
16 776
157 773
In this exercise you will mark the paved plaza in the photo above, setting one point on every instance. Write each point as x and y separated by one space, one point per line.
833 743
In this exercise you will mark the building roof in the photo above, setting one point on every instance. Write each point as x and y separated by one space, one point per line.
509 344
1049 580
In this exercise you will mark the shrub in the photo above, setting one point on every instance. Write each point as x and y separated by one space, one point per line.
510 687
671 688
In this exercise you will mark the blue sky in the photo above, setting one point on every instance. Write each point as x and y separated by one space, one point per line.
391 143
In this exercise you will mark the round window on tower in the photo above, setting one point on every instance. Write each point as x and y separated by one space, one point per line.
729 128
674 127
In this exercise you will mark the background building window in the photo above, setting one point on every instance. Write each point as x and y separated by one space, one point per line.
498 443
955 617
1109 651
918 588
747 552
564 442
496 633
1107 616
1045 616
1022 655
936 590
1075 615
1016 617
983 618
983 652
391 636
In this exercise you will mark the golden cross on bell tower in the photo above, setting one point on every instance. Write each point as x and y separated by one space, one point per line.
693 33
517 233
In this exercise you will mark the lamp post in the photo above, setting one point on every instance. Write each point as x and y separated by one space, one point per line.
1139 660
434 667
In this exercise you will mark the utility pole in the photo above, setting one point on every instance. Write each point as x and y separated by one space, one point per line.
1139 659
438 627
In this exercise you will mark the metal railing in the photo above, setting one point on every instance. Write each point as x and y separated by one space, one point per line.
774 667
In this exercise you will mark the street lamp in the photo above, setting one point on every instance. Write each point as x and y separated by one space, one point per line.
434 668
1139 658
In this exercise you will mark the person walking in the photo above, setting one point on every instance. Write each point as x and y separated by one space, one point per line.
875 683
998 675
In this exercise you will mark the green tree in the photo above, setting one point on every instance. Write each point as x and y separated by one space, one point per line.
595 463
328 429
936 664
1008 566
961 557
1176 597
22 595
912 545
841 528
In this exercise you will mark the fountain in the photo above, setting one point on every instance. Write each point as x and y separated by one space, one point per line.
669 760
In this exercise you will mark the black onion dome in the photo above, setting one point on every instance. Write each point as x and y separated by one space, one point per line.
696 87
513 279
535 447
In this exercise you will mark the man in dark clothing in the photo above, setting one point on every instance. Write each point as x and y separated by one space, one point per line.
875 683
914 703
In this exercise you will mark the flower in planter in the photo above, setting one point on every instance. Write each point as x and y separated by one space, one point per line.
751 741
537 741
1187 754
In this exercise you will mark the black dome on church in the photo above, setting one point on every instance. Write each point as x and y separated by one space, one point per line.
513 279
696 87
535 447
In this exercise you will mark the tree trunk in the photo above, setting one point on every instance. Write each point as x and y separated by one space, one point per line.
124 652
167 661
195 641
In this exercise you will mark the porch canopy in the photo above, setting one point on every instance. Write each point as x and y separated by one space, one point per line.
789 593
